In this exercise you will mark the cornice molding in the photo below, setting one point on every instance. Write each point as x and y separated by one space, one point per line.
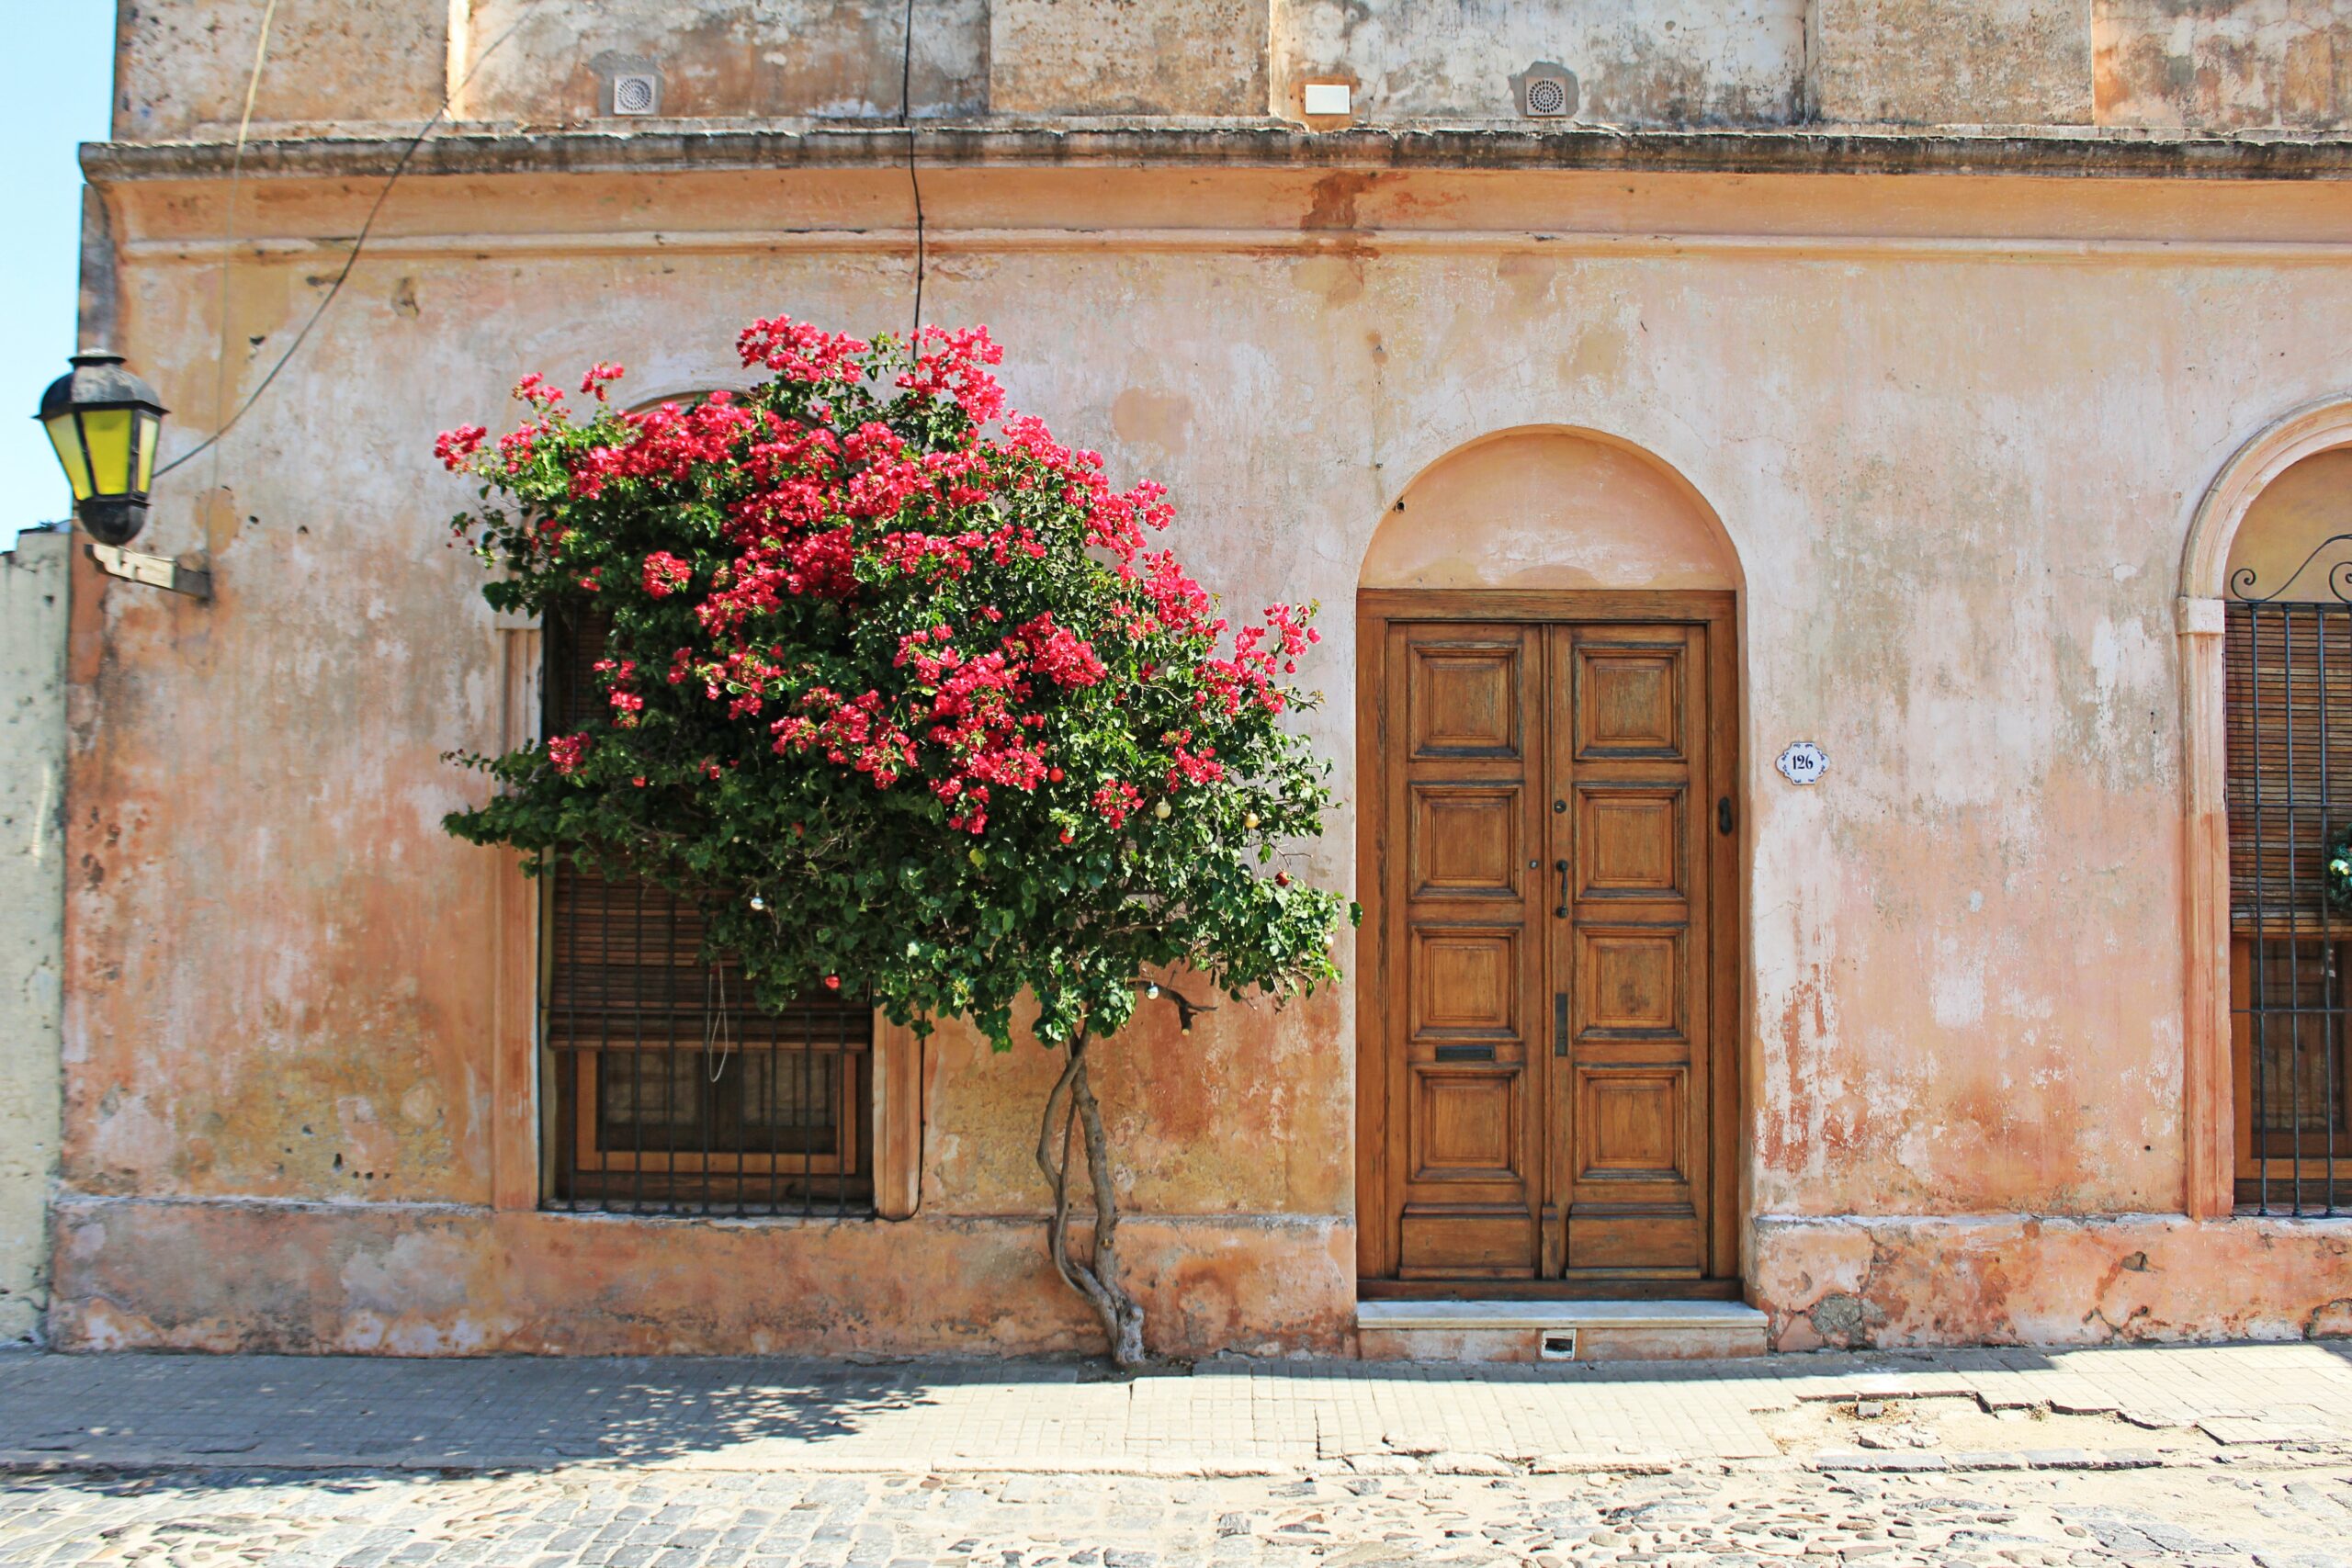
2058 152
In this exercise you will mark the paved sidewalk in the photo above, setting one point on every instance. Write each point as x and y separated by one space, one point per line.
1987 1409
2224 1457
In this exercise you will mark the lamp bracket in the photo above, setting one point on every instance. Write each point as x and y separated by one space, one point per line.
155 571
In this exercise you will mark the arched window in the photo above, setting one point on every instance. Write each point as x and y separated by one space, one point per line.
2286 704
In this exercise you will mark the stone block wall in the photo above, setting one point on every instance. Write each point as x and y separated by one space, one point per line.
2174 64
1950 61
2224 64
1648 63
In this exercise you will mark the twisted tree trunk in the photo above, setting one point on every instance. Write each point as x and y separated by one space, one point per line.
1097 1276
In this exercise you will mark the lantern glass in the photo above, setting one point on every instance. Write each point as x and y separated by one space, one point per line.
106 433
67 439
150 428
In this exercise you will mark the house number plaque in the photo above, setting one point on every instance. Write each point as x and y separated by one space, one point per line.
1803 763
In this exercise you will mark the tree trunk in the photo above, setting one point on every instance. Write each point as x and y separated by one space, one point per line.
1096 1277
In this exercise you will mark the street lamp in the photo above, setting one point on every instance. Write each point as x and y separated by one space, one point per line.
105 422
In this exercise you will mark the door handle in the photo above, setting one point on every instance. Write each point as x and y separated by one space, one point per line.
1562 867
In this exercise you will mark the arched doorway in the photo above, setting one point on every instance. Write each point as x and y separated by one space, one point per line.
1548 1079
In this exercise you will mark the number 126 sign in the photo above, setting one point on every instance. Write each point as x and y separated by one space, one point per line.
1803 763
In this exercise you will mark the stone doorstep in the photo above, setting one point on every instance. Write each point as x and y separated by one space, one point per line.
1522 1330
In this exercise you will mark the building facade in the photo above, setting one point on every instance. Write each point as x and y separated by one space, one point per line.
1822 512
32 888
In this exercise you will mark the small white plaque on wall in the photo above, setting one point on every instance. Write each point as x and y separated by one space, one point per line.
1325 98
1803 763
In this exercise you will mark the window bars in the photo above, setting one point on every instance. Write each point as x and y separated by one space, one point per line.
674 1091
2289 706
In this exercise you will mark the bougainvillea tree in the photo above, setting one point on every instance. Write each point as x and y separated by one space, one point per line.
898 691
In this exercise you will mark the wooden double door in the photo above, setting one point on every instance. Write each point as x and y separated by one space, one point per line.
1547 1088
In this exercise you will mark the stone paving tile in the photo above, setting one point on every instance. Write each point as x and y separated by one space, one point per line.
2213 1514
760 1414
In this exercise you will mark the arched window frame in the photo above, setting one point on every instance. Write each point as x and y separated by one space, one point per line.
2208 1108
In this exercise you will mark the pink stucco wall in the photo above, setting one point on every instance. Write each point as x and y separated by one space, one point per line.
1951 428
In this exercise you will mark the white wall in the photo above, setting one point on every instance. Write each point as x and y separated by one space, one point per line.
32 868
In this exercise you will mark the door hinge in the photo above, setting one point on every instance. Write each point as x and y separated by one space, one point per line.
1723 816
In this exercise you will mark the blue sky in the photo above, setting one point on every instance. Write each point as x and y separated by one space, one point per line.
56 100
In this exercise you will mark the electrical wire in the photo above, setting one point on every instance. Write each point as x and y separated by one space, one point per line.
906 119
357 245
229 222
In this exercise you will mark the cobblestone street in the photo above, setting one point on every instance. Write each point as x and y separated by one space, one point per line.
2290 1515
2238 1455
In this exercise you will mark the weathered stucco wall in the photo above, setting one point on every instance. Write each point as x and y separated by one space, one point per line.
32 888
1951 62
1170 57
2028 1280
2224 64
1653 62
1941 422
2220 65
437 1280
553 64
182 66
1549 509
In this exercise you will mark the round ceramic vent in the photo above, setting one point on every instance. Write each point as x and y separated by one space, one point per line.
632 95
1547 96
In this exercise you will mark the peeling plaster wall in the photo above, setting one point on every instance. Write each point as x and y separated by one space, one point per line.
32 781
424 1281
1652 63
182 66
726 59
1128 57
1944 423
1951 62
2020 1280
2223 64
2215 64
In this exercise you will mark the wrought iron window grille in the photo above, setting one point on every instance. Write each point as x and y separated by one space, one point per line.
673 1091
2288 705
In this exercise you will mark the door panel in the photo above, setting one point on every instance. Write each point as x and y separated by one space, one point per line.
1632 950
1466 984
1469 1123
1466 841
1465 1133
1629 698
1544 1104
1466 694
1632 837
1633 983
1630 1121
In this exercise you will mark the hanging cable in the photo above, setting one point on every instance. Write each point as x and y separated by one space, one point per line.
229 226
906 119
229 239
